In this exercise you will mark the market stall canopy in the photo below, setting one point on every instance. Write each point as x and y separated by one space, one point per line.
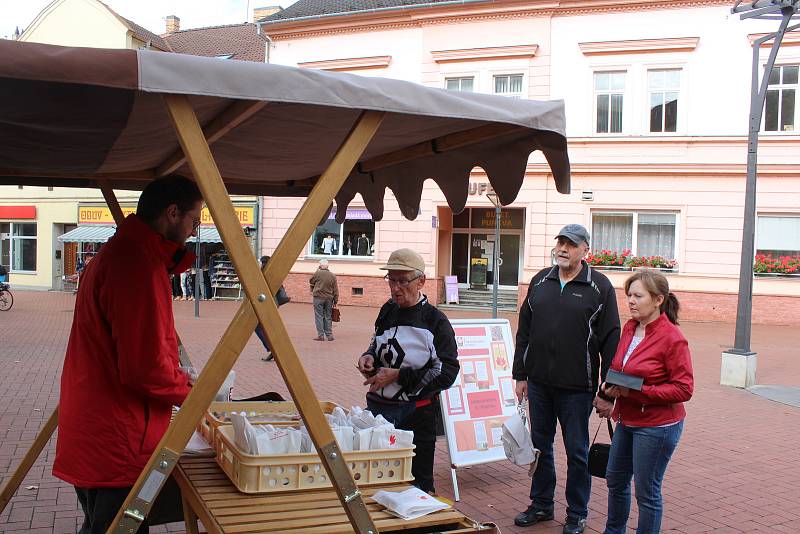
70 116
101 234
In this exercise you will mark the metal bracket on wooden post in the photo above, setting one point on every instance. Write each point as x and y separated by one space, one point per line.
135 513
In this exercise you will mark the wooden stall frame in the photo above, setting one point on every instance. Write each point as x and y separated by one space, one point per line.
257 309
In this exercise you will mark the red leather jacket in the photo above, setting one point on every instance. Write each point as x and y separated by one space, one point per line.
663 360
121 375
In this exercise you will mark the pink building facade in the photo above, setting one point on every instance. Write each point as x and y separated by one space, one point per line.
657 98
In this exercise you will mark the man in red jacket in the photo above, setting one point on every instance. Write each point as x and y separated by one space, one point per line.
121 373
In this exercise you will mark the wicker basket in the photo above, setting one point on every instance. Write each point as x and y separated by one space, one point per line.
218 414
287 472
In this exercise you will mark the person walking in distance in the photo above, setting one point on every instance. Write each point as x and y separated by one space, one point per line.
325 290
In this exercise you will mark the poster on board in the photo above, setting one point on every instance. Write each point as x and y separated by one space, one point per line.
482 397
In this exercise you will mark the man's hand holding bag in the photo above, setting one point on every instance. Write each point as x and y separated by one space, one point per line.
517 441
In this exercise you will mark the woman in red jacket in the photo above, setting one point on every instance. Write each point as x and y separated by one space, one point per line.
650 421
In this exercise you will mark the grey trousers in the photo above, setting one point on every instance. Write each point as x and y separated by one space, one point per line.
323 308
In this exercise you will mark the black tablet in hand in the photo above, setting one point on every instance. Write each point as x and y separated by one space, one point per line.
617 378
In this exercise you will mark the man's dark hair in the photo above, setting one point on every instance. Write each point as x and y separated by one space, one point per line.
163 192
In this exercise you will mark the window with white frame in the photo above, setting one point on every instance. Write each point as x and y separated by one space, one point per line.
780 109
609 88
508 85
778 235
643 233
18 246
463 83
356 237
663 88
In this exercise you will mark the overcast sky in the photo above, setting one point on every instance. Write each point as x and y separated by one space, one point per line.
147 13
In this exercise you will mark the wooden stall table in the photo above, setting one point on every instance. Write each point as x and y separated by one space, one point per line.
210 496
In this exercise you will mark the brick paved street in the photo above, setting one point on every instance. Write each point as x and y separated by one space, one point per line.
736 469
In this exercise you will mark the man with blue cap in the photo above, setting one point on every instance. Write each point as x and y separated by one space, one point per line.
568 322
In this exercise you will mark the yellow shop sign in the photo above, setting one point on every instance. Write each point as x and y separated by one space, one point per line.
102 215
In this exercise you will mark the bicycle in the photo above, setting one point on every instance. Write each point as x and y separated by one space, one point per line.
6 297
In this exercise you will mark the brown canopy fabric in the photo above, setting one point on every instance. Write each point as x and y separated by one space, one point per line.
70 116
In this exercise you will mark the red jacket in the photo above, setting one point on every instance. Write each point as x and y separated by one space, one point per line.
663 360
121 376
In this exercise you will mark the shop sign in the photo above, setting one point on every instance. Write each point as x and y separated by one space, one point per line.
18 212
102 215
480 188
510 219
245 215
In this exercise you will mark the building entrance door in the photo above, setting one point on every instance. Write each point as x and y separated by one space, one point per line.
509 259
473 237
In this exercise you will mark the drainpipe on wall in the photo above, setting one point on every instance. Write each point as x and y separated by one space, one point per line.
260 199
268 41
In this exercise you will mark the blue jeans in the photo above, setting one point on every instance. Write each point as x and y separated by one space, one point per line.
572 410
642 453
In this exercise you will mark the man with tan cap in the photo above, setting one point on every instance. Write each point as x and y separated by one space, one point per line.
413 356
568 321
325 290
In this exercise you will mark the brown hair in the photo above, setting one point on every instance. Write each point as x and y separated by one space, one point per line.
656 284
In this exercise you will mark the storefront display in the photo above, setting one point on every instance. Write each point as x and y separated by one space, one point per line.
224 280
356 237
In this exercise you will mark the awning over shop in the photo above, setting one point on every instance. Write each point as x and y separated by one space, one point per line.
101 234
88 234
207 235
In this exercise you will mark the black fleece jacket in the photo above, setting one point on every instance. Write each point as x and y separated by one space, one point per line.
563 333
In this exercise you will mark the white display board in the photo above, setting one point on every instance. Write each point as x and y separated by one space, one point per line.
482 397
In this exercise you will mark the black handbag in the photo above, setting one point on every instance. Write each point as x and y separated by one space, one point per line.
281 297
598 453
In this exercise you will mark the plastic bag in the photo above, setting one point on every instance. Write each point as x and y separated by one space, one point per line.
517 442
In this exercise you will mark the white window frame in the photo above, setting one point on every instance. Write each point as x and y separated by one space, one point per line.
781 87
461 79
339 256
770 214
682 104
635 224
509 74
625 100
11 240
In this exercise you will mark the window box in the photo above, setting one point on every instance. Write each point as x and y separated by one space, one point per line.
782 266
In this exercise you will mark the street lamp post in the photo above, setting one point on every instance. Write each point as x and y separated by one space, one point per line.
739 363
492 196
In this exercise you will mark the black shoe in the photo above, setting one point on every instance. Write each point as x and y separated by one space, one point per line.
574 526
531 516
268 358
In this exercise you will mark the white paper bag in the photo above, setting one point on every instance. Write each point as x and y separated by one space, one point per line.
280 440
388 437
409 504
517 442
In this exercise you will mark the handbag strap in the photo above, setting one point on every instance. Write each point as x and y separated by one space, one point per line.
610 430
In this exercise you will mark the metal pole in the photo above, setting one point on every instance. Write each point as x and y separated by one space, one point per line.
496 276
197 275
757 99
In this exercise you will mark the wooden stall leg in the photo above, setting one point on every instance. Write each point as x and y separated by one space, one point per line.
162 462
189 517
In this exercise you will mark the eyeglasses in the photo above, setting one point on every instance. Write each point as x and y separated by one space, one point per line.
400 282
